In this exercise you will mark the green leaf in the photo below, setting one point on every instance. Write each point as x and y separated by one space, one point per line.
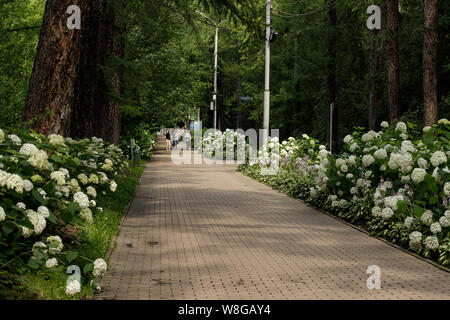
401 205
71 255
433 200
88 267
25 223
38 197
418 211
52 218
56 159
72 207
8 227
67 216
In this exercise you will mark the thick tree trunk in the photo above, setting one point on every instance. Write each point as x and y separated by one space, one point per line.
430 46
376 69
95 113
331 76
48 107
393 61
68 78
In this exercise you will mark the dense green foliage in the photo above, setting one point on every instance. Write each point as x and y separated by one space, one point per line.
167 69
394 182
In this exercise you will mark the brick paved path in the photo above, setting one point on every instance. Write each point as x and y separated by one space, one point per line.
208 232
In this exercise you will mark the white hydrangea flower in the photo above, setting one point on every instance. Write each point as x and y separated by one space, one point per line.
100 268
367 160
43 211
2 135
92 203
56 244
401 126
56 139
380 154
447 189
91 191
59 177
438 158
28 185
39 160
93 178
83 178
444 221
348 139
21 205
73 287
444 122
37 221
15 139
426 129
15 182
427 217
28 149
435 228
81 199
86 214
2 214
376 211
415 240
39 247
422 163
409 221
51 263
431 243
384 124
113 186
353 147
447 214
418 175
387 213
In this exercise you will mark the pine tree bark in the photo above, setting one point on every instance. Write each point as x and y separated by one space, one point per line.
68 77
331 74
376 69
393 61
95 113
48 106
430 47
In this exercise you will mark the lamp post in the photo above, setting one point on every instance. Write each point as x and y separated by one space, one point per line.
216 50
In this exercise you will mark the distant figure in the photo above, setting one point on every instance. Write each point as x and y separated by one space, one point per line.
168 141
187 140
176 137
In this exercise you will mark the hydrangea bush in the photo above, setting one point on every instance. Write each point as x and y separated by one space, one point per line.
395 182
48 184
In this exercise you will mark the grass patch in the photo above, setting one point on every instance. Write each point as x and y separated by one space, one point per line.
91 242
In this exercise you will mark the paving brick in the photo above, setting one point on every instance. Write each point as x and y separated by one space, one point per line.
208 232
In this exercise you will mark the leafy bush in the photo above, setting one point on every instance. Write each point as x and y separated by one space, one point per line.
145 138
48 186
394 182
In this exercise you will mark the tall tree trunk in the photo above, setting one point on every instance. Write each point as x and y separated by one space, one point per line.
376 69
48 106
393 62
331 73
95 112
430 45
67 76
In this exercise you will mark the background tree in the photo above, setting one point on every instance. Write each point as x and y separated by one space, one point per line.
393 60
430 47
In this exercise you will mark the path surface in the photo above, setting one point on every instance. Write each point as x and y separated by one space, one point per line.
208 232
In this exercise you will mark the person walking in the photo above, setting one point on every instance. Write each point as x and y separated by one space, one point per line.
187 140
168 141
176 137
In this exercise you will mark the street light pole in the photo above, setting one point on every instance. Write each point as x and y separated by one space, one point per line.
267 73
216 47
216 51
